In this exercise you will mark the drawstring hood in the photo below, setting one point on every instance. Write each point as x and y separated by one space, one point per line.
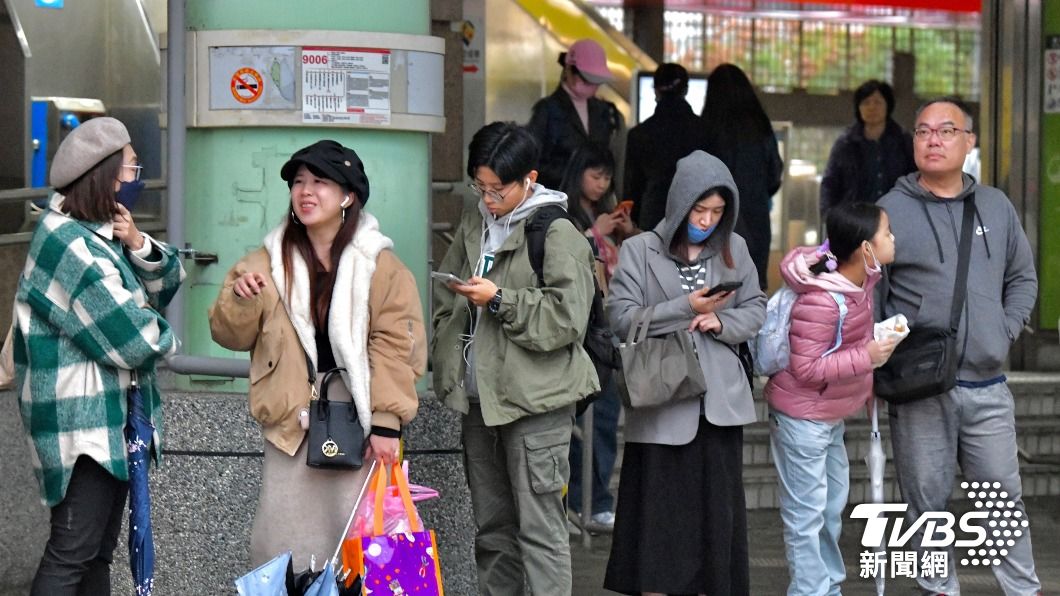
495 230
934 232
696 173
1001 285
910 185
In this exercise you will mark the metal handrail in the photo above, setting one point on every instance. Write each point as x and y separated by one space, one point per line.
21 195
18 195
236 368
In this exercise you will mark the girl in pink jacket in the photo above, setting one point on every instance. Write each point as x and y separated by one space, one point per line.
829 377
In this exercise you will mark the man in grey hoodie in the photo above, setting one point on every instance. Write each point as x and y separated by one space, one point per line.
973 424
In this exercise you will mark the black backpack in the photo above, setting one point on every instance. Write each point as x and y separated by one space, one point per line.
598 336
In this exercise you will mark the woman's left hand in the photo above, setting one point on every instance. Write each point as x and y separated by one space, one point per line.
478 290
384 449
705 323
125 229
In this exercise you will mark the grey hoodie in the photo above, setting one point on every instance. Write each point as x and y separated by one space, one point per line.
647 275
1002 283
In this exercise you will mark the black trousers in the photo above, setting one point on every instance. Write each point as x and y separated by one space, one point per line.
84 532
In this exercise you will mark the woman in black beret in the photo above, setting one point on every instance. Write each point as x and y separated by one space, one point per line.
324 291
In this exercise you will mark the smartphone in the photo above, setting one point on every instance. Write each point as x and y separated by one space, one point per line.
624 207
447 278
725 286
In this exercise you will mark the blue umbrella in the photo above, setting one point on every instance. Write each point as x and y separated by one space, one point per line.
138 434
268 580
325 583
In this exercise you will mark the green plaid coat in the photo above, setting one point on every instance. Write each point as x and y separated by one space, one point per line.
86 316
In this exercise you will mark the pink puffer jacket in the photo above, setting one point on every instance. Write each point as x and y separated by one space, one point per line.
837 385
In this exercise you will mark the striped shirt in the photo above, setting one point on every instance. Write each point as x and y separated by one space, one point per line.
693 277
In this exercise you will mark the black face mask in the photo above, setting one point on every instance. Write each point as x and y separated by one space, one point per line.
129 193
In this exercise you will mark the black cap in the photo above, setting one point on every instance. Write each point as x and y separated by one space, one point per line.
670 77
334 161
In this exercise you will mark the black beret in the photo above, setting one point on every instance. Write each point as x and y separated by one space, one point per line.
334 161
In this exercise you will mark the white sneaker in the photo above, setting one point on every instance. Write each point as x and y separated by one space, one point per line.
602 522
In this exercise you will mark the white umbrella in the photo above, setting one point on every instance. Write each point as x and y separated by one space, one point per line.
877 461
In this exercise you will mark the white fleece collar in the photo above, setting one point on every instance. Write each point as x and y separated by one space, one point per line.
348 320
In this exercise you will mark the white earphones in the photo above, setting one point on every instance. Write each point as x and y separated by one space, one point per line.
346 202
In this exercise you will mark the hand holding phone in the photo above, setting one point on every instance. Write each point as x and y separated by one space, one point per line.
447 278
724 287
624 207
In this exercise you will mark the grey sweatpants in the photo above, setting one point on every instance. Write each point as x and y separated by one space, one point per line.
975 428
516 473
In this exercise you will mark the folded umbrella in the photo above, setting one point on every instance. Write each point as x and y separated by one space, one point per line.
276 577
138 435
268 580
877 461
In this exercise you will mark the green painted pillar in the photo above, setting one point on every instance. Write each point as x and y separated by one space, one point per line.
234 194
1049 215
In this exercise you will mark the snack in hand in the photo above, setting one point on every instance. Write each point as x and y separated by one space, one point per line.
896 327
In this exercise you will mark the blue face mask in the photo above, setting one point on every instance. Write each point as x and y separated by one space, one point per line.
698 236
129 193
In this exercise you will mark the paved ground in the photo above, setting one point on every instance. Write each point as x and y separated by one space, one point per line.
769 569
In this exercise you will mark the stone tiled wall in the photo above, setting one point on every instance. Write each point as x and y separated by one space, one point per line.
205 494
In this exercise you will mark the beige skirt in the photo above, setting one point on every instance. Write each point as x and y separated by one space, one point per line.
303 509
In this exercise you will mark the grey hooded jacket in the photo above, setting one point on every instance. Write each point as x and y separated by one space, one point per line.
1002 283
648 274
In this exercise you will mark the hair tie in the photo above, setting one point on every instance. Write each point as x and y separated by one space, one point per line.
824 251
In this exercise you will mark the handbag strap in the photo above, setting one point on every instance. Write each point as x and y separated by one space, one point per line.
638 327
311 372
960 285
327 381
398 478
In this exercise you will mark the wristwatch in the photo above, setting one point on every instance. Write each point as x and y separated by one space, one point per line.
495 303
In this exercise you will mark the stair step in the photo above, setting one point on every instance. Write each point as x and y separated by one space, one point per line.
1037 437
760 484
1037 409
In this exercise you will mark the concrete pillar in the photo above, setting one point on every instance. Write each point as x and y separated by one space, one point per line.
904 80
234 192
648 27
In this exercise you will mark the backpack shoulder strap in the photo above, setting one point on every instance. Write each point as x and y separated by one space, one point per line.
840 301
535 229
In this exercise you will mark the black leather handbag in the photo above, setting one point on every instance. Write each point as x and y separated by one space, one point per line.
925 363
336 438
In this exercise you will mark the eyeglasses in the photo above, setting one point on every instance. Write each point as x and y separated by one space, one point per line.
493 195
946 133
136 167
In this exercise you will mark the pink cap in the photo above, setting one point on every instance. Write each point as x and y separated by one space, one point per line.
591 61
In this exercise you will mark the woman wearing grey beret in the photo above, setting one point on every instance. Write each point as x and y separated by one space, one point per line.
87 328
324 301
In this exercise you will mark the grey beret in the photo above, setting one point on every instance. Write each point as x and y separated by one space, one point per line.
86 146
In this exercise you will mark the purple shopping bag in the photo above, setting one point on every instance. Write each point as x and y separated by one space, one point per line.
403 563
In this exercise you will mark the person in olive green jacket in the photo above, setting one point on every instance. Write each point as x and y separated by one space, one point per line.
508 355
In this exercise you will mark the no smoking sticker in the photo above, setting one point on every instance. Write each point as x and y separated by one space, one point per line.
247 85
